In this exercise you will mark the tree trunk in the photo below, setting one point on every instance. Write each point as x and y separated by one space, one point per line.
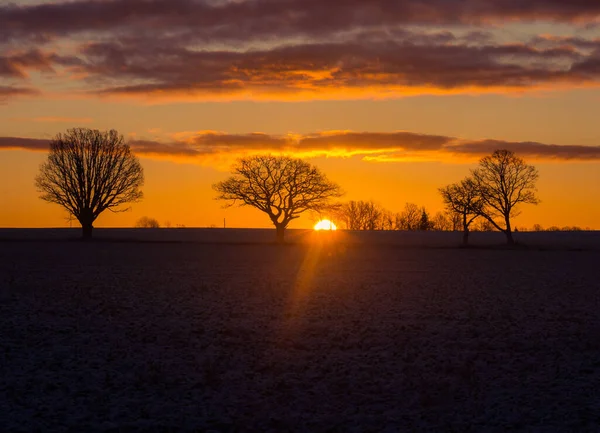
280 232
466 237
509 237
508 233
87 231
86 219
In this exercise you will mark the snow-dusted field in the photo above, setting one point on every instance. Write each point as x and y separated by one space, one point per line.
314 336
571 240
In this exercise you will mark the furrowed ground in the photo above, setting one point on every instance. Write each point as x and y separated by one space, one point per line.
308 337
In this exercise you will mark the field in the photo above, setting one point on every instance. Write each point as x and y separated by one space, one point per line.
325 334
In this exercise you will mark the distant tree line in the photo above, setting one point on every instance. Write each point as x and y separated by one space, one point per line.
539 228
89 171
368 215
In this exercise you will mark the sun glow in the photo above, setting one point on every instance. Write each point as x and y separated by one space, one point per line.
325 225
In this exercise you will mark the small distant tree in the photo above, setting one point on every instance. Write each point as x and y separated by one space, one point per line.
463 199
387 220
424 223
88 172
441 222
147 223
538 228
483 225
372 216
280 186
410 218
361 215
504 181
456 220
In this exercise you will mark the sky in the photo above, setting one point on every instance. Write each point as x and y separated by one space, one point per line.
391 99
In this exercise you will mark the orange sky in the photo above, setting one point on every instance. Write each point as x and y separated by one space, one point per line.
392 105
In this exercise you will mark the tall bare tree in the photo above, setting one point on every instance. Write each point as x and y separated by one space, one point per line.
89 171
280 186
504 181
463 199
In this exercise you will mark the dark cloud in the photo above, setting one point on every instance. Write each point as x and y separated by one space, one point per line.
241 20
34 144
266 49
213 143
371 145
16 65
373 141
528 149
11 91
368 65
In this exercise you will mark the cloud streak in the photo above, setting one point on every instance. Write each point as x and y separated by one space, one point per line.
207 146
53 119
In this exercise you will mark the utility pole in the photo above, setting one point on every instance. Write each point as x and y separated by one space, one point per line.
223 222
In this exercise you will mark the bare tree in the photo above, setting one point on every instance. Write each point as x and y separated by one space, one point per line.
387 220
361 215
280 186
463 199
88 172
372 216
504 181
456 220
349 214
147 223
483 225
424 222
410 217
441 222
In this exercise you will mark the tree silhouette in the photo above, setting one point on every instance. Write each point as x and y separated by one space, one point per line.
441 222
361 215
463 199
387 220
503 182
147 223
88 172
410 218
280 186
424 223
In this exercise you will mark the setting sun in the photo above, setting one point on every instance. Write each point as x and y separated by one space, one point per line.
325 225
